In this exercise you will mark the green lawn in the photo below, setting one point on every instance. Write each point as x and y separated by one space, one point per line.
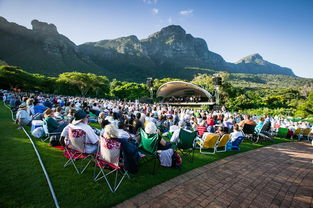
23 183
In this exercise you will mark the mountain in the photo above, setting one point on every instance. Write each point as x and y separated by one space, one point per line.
171 52
256 63
41 50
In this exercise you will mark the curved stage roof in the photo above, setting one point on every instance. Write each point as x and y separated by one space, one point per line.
180 88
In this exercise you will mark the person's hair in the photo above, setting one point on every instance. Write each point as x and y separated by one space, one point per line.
236 127
120 125
262 119
115 116
101 115
104 123
72 111
181 124
48 112
110 131
138 115
58 109
151 128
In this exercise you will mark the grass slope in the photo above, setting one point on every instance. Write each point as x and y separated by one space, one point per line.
23 183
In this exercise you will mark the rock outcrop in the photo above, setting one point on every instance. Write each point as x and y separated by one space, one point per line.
171 52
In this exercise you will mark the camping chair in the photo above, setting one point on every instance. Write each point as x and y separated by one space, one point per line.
108 157
47 134
185 144
75 149
297 133
231 146
148 147
282 132
248 131
305 133
265 132
208 142
221 145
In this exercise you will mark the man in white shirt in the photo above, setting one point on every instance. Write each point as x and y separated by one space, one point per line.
81 122
22 116
175 136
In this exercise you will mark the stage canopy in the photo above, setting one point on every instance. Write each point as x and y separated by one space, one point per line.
176 89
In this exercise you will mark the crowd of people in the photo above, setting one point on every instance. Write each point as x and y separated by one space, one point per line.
123 120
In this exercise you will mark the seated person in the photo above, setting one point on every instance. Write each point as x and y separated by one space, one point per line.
121 131
81 122
53 125
201 128
247 120
101 117
152 129
70 115
175 136
129 149
237 133
220 131
38 107
22 116
259 126
58 114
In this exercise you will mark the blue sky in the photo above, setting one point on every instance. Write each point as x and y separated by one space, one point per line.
280 30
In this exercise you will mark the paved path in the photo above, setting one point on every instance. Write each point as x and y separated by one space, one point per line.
275 176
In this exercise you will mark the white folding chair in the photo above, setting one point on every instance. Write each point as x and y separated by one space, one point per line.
108 157
75 149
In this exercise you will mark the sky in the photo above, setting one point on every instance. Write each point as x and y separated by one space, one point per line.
281 31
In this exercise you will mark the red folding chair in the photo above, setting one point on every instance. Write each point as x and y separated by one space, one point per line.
75 150
108 157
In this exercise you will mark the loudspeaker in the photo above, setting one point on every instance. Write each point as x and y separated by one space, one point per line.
149 82
217 80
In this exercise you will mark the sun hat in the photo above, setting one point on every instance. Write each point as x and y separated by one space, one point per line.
79 116
23 105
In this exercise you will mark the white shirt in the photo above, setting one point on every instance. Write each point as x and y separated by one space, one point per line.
23 116
123 134
175 136
91 137
235 135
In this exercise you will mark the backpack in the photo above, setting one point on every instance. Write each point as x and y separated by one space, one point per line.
176 160
55 140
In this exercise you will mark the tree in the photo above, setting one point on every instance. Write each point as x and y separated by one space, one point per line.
84 82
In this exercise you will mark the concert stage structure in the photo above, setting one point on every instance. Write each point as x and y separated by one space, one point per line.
184 94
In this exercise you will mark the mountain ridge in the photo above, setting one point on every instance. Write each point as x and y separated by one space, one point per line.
169 52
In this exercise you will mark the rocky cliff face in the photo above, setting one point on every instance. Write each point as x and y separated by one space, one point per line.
41 50
170 52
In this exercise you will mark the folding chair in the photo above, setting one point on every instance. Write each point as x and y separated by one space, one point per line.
221 145
47 133
248 131
208 142
297 133
305 133
75 149
148 146
108 157
185 145
235 144
282 132
265 132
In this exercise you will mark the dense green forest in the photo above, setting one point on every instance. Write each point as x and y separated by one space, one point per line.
257 94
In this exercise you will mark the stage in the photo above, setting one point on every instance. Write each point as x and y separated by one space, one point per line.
189 103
